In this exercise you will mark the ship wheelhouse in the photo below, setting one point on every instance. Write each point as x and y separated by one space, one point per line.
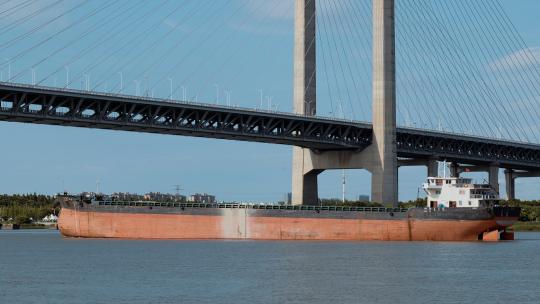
458 192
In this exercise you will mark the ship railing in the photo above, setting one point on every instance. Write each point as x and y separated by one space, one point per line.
429 209
483 196
248 206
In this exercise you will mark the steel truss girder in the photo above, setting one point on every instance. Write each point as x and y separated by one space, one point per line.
467 149
85 109
106 111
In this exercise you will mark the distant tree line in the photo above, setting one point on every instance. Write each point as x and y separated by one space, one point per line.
347 203
24 208
419 202
530 210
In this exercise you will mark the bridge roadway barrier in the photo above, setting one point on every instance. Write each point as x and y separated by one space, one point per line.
53 106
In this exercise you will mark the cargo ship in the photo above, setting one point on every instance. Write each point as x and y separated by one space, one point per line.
457 210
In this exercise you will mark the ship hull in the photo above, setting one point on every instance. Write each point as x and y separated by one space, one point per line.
236 223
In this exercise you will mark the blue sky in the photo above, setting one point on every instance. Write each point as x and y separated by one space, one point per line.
234 47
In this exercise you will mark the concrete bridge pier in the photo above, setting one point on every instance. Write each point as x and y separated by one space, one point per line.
493 177
431 164
492 171
511 175
307 164
432 167
454 169
510 184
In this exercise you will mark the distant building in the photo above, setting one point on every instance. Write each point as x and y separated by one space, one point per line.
363 198
163 197
202 198
288 200
126 196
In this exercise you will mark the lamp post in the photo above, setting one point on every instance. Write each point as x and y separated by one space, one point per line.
228 96
67 75
170 94
87 77
121 82
137 86
33 70
184 93
217 93
9 69
269 101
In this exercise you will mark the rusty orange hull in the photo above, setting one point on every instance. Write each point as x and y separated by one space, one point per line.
238 224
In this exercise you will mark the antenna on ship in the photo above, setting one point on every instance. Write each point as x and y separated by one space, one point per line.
97 186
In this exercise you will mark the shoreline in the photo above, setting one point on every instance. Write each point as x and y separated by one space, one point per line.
526 226
11 226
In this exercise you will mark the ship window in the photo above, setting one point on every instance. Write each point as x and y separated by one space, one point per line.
460 203
448 181
438 192
470 203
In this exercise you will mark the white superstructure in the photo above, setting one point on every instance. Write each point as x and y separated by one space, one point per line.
458 192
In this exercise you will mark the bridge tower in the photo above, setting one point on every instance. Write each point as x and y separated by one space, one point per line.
304 183
384 183
380 158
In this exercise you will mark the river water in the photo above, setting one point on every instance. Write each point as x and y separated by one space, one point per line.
43 267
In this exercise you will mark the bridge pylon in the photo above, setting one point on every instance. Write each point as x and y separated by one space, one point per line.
304 182
380 158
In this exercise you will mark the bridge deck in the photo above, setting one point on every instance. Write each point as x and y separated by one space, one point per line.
44 105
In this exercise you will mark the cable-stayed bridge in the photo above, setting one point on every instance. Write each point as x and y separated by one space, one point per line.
322 142
43 105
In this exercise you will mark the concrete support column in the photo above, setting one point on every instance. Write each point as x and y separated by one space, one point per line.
432 168
305 188
304 183
510 184
454 169
384 184
493 177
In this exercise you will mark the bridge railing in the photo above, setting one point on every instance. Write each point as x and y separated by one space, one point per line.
174 101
